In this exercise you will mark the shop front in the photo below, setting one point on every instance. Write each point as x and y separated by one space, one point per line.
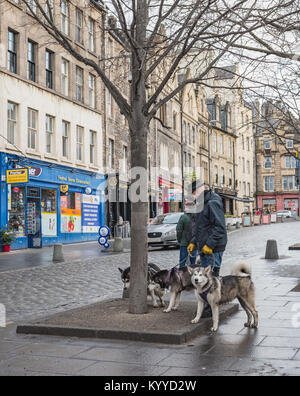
56 205
170 197
279 202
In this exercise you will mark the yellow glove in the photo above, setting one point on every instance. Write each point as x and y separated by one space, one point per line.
207 250
191 248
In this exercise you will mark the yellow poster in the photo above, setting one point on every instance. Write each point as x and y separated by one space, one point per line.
14 176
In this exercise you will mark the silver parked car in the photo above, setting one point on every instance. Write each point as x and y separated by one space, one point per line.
162 231
285 213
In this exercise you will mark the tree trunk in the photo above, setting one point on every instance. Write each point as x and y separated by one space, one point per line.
139 127
139 219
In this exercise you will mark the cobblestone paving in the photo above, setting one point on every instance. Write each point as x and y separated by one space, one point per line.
274 349
34 292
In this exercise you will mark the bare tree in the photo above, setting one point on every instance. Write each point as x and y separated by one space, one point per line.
161 37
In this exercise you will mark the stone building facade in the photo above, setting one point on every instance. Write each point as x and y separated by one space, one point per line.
276 148
52 124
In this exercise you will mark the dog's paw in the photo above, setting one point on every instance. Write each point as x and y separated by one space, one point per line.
248 325
214 329
155 306
195 321
175 309
166 311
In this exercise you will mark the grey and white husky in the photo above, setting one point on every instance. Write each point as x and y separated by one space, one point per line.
217 291
153 290
177 281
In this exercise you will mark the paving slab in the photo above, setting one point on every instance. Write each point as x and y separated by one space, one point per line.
111 320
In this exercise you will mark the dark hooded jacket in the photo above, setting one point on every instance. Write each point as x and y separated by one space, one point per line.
210 227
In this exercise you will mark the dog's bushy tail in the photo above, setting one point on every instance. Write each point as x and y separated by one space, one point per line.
242 269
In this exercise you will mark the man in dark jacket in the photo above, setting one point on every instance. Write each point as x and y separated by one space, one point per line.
184 237
210 233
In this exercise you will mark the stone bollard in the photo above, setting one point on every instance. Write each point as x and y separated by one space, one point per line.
58 254
238 225
272 250
118 245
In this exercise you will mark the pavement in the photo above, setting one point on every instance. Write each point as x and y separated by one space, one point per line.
273 349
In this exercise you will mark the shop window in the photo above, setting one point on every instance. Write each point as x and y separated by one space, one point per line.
49 212
70 212
48 201
16 210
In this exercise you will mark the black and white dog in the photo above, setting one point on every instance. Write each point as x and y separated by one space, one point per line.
154 290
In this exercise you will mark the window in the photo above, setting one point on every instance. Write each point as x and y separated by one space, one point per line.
109 103
244 165
125 160
229 148
12 52
249 190
16 210
184 132
223 176
49 133
111 154
31 6
268 163
65 77
91 31
93 139
49 9
92 81
215 142
164 156
290 162
79 143
31 56
230 178
288 183
248 167
289 143
64 6
221 144
32 129
267 144
175 121
12 123
244 188
79 84
248 144
216 175
49 69
65 139
78 26
194 135
269 183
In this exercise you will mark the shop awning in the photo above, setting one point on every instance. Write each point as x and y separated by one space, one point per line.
233 197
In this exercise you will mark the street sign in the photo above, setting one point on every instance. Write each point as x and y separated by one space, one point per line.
14 176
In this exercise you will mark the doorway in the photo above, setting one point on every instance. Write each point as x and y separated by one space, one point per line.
33 217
